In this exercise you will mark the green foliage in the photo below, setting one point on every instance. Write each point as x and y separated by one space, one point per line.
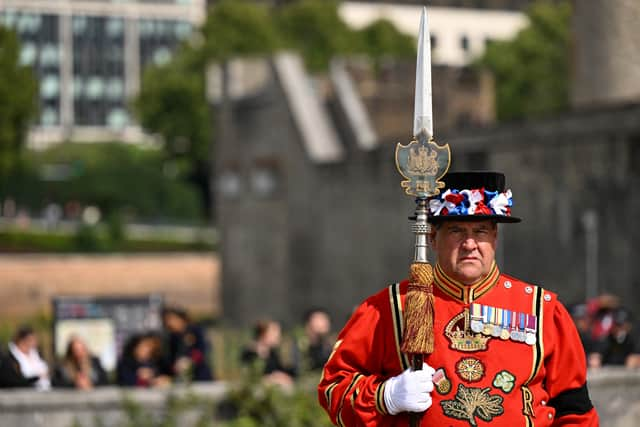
258 404
89 239
118 178
382 40
172 99
531 71
18 92
172 103
171 416
236 28
314 28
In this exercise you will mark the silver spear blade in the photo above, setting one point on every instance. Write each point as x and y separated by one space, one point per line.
423 115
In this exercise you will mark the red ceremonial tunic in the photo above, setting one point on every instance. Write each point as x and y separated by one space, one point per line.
482 378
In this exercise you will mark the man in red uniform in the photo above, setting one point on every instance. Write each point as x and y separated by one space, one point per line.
506 352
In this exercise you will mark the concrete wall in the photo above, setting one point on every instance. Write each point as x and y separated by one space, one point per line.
615 394
102 407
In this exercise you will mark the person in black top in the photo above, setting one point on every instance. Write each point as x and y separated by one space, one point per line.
312 349
188 350
142 363
263 353
620 346
21 365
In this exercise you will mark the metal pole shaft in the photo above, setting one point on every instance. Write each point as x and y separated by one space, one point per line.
421 228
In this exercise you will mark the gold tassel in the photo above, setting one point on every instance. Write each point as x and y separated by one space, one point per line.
419 310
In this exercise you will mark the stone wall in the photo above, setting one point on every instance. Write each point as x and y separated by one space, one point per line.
332 234
615 394
606 58
559 169
30 281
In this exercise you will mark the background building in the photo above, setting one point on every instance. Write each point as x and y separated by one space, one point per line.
89 56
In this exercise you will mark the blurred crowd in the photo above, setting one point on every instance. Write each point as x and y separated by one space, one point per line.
308 350
607 331
153 359
180 353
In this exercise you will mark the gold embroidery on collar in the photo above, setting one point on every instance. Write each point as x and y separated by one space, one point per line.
462 292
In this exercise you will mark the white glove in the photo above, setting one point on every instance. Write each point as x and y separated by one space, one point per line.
410 391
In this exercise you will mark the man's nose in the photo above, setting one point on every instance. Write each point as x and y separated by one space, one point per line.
469 243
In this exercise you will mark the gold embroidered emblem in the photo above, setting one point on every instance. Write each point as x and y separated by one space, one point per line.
440 380
461 336
470 369
527 402
471 402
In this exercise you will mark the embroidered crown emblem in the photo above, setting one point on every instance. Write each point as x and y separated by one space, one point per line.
461 336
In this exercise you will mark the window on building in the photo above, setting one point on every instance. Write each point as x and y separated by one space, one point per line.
50 86
28 23
117 118
464 43
77 87
115 27
94 88
182 30
115 88
79 24
161 56
229 183
49 55
28 54
49 117
264 177
146 28
9 18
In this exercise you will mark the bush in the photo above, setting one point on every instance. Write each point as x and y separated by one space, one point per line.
120 179
89 239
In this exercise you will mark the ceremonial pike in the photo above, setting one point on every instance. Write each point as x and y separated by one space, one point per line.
422 163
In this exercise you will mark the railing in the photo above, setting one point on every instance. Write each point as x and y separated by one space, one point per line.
615 393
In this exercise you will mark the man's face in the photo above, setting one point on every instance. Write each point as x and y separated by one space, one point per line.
466 250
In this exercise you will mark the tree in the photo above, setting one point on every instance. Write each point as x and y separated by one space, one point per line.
172 100
531 71
237 28
18 92
314 28
172 103
381 40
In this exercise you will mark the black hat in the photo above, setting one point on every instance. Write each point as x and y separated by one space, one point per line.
472 196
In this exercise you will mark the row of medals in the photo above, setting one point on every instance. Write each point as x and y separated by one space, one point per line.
481 326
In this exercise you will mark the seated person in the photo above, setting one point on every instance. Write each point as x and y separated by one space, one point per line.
187 346
620 346
263 352
79 368
22 365
142 363
311 350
